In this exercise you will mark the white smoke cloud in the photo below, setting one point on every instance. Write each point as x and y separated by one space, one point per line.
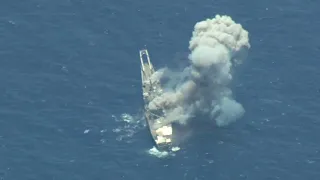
216 46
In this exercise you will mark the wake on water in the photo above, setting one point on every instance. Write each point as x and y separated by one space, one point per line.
133 124
217 46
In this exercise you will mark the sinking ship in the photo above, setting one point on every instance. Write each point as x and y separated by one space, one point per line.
151 88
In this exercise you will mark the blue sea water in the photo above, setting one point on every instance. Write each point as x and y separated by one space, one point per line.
71 103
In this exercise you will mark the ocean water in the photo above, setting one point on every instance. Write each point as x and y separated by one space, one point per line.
71 101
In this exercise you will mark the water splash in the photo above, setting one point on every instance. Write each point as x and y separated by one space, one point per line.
159 154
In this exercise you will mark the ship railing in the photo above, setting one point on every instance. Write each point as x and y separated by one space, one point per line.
145 52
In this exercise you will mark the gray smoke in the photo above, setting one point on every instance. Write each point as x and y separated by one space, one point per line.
216 46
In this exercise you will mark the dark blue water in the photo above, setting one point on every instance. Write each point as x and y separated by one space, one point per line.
70 73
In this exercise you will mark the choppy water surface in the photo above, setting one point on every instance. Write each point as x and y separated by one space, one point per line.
71 106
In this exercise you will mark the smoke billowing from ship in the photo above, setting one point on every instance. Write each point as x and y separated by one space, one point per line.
217 46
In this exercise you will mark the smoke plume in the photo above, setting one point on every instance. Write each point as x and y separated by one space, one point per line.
217 46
